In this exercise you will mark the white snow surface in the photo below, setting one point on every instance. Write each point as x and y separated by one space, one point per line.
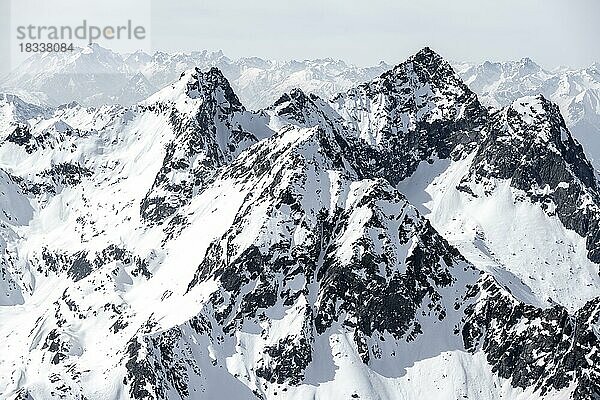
505 234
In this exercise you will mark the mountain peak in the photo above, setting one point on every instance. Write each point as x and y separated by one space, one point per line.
531 108
214 72
99 52
430 67
295 94
306 110
427 86
426 52
196 84
138 57
537 123
539 119
595 67
527 65
93 47
427 57
526 60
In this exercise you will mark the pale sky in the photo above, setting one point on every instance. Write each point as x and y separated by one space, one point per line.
552 32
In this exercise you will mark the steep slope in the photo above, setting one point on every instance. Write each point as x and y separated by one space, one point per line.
208 121
16 212
529 144
315 254
523 204
537 173
416 111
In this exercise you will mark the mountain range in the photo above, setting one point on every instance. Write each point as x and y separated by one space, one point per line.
94 76
403 238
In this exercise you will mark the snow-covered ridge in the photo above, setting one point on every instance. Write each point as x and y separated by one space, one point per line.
576 91
95 76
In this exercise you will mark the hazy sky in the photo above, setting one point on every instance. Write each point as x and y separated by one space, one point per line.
552 32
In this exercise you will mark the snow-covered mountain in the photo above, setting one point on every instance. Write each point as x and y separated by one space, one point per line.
93 76
576 91
401 240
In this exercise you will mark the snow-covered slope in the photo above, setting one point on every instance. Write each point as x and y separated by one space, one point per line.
383 245
523 203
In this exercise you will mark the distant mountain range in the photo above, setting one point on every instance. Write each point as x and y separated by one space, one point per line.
93 76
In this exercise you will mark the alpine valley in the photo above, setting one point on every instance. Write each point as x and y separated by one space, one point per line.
402 239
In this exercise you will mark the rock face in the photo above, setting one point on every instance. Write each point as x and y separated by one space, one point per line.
546 349
575 91
418 110
529 144
208 135
185 247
